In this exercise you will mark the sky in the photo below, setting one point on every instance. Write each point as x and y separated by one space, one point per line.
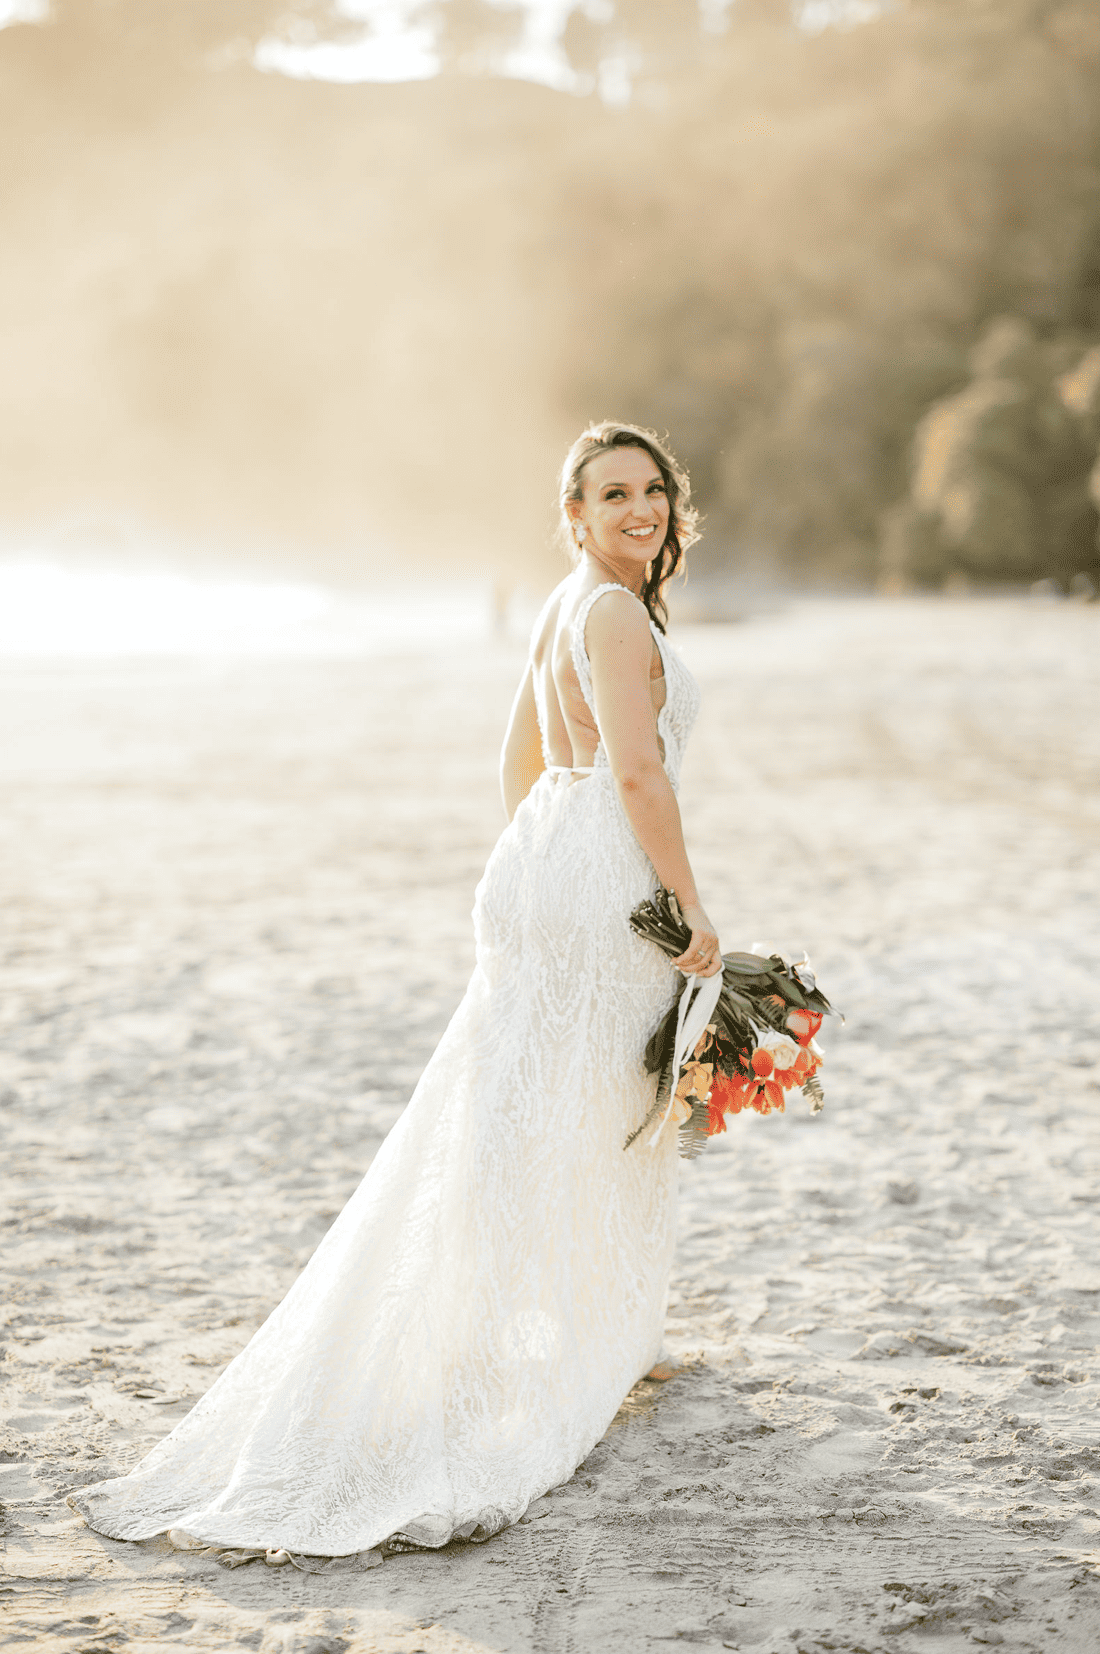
23 11
397 41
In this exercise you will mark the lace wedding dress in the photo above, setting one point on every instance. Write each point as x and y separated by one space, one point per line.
466 1331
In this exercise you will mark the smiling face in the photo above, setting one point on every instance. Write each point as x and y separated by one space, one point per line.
624 508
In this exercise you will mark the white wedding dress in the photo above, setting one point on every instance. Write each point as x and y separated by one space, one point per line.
466 1331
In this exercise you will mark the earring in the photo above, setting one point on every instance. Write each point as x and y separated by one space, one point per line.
580 534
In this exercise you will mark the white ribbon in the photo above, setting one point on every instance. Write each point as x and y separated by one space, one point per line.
697 1003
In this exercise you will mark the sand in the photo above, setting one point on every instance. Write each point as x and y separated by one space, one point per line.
236 919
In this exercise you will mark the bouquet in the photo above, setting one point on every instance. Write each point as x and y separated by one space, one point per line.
739 1039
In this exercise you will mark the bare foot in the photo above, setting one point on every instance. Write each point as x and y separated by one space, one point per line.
663 1371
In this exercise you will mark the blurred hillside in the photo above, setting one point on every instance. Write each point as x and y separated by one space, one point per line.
1006 476
320 327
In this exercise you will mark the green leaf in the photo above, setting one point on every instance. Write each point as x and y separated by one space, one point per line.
747 964
661 1045
792 994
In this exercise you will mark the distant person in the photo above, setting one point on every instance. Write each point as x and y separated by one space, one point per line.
469 1326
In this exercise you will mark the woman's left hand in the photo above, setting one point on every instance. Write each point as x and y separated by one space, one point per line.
703 954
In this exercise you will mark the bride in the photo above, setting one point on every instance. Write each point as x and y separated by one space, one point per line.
466 1331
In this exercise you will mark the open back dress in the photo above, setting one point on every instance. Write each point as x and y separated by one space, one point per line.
469 1326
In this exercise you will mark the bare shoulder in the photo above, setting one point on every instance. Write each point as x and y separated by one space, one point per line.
618 619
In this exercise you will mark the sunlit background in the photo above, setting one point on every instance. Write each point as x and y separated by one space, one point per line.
302 303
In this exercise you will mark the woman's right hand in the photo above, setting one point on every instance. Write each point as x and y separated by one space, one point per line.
703 955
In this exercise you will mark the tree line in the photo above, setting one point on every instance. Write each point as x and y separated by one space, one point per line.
324 325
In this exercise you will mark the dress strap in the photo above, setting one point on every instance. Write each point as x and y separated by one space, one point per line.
578 647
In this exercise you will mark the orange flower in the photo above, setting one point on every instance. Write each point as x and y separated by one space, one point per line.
703 1042
695 1080
768 1098
805 1065
727 1096
764 1089
804 1024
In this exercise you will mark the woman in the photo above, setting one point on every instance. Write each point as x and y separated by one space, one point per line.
468 1328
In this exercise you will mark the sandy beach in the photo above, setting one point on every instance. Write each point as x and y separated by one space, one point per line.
236 919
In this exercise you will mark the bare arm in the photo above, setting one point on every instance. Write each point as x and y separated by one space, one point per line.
620 647
521 761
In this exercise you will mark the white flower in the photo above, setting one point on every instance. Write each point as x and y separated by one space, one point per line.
780 1047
